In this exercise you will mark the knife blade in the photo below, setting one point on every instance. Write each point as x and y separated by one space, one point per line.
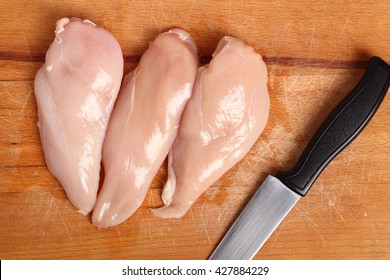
278 194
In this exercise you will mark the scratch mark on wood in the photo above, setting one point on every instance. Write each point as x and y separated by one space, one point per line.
162 11
25 204
151 200
152 17
160 231
11 134
380 176
330 62
63 222
369 175
274 65
375 232
174 12
35 223
345 26
268 147
307 216
242 177
20 116
332 204
119 233
346 175
312 39
192 6
150 230
316 228
43 228
331 82
223 214
37 170
192 215
229 11
205 229
350 53
293 83
321 188
27 47
203 204
351 210
7 119
361 177
324 10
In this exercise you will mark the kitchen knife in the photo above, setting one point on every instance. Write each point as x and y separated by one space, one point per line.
278 195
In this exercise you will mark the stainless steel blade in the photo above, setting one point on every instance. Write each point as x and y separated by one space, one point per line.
267 208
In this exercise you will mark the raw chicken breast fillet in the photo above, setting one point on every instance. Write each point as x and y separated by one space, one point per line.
144 125
223 119
75 91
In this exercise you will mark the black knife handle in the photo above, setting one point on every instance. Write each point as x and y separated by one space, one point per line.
339 129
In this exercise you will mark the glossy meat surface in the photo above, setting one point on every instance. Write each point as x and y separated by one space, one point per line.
75 91
144 124
225 116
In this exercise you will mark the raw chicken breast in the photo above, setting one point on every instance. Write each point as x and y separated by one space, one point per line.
223 119
75 91
144 125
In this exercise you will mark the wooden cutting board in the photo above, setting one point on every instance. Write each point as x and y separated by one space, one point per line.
315 51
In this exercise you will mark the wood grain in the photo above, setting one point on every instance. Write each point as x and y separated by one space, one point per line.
315 51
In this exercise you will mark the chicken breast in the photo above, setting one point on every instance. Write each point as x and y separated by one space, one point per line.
144 124
223 119
75 91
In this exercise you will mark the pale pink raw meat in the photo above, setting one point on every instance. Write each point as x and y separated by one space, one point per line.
75 91
144 125
225 116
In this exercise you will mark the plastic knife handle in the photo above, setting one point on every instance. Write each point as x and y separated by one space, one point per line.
339 129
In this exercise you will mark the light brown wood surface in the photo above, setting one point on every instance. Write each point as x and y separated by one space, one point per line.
315 51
